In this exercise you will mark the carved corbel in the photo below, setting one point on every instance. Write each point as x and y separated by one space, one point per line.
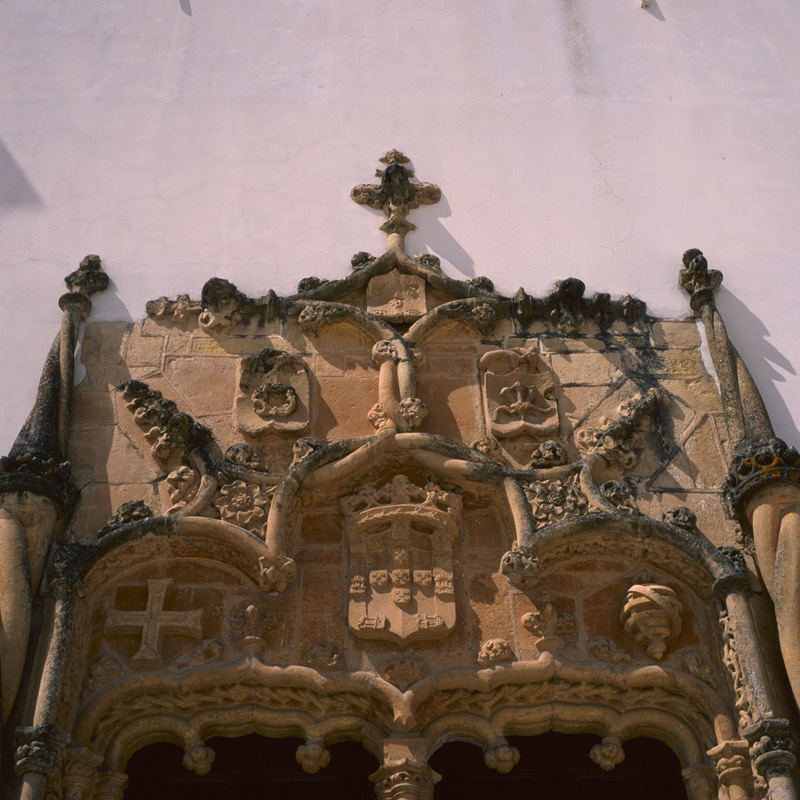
197 757
132 511
608 754
500 755
313 756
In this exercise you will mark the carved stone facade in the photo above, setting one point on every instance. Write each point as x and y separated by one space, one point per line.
398 508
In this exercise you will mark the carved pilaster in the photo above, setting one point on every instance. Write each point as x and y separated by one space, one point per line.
111 785
701 782
80 773
732 762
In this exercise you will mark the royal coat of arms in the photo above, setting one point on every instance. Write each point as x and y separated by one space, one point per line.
273 394
401 540
519 393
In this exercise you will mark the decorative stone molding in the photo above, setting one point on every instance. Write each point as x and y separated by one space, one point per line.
619 441
494 652
168 430
682 517
652 615
695 665
772 747
323 656
499 755
405 780
198 759
253 624
730 658
547 623
80 773
39 749
608 754
111 785
402 671
701 782
132 511
555 499
244 504
697 279
521 566
312 756
277 572
757 465
620 495
605 649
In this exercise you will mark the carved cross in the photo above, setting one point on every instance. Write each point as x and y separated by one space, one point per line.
154 622
396 196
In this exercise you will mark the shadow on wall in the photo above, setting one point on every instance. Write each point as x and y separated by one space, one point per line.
750 336
15 188
432 236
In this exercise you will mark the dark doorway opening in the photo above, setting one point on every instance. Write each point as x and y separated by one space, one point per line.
250 766
550 765
558 765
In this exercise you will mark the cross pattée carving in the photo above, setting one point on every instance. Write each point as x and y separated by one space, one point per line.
154 622
396 196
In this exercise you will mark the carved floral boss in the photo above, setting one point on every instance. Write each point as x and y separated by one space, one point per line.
401 540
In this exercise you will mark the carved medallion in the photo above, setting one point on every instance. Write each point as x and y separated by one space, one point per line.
401 539
518 393
273 394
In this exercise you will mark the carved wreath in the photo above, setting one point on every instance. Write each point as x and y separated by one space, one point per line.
265 397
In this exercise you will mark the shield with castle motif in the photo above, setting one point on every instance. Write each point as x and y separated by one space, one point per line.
518 393
401 539
273 394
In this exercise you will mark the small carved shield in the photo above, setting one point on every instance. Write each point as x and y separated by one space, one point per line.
519 393
273 394
401 561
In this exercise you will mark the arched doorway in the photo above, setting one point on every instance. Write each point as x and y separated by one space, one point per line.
558 765
250 766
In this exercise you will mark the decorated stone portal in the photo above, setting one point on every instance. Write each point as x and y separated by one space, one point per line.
401 538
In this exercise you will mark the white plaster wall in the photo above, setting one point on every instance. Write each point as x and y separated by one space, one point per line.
181 139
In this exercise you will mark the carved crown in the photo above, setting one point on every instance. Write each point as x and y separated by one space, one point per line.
400 498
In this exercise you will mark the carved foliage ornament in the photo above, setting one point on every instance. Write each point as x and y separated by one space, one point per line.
273 394
518 393
401 539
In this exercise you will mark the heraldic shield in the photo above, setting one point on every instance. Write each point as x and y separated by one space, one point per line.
519 393
401 540
273 394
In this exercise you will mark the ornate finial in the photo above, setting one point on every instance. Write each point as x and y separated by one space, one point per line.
396 196
88 278
697 279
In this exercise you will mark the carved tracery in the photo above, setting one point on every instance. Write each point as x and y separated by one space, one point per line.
424 511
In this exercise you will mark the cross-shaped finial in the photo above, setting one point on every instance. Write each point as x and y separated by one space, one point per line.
396 196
